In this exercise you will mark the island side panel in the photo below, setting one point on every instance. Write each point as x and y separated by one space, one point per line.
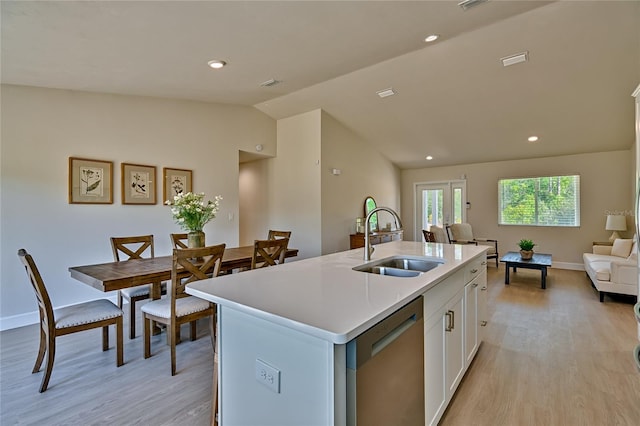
305 364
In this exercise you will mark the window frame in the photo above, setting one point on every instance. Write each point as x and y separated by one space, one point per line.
537 201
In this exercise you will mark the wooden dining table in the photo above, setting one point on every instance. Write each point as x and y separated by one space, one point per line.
112 276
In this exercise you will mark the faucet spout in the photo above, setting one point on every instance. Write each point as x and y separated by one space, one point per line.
368 249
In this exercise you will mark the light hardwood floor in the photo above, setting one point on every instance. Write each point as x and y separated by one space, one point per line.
550 357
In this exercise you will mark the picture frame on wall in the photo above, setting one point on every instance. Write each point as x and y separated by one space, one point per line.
176 181
90 181
138 184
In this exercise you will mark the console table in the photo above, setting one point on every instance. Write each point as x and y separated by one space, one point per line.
357 240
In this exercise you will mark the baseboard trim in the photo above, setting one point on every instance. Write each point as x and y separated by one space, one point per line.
567 265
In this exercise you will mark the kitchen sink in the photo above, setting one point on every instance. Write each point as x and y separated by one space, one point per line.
399 266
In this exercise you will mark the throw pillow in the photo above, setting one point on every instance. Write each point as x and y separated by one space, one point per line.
621 247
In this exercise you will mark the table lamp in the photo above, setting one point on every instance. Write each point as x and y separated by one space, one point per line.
615 223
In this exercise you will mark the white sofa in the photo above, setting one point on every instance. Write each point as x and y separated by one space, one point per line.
613 269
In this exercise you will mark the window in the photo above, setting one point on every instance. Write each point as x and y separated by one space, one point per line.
540 201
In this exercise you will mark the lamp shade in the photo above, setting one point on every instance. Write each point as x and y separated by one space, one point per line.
615 223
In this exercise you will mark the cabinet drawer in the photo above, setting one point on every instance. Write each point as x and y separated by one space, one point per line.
441 293
474 268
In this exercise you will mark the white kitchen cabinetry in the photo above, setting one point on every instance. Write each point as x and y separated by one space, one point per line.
475 311
452 334
295 321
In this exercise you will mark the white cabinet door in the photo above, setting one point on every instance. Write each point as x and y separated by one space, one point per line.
434 373
454 343
471 292
483 316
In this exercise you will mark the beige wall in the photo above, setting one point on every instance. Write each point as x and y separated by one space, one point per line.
294 182
605 181
363 172
253 209
319 207
42 128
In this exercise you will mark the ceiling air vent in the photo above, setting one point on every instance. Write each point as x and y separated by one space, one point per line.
515 59
386 92
468 4
269 83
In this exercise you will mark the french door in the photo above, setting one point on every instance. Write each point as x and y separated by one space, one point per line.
439 204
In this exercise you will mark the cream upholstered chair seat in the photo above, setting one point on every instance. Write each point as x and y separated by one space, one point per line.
184 306
85 313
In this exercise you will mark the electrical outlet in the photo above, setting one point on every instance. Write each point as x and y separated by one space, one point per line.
268 375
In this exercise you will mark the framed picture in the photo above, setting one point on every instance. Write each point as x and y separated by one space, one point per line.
90 181
176 181
138 184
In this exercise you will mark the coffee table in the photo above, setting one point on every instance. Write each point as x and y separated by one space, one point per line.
539 261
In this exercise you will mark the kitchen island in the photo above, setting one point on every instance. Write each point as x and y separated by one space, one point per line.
294 321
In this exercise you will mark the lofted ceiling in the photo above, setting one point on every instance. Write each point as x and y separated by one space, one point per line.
454 99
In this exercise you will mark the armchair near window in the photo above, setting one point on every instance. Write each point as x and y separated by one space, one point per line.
462 233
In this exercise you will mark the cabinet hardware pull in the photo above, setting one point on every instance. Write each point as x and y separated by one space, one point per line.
450 320
484 288
483 323
474 285
473 271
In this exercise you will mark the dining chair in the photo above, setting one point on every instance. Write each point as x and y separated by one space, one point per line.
189 265
429 237
137 247
273 234
462 233
99 313
269 252
179 241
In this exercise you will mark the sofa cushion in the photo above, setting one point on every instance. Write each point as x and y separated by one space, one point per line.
621 247
634 251
602 270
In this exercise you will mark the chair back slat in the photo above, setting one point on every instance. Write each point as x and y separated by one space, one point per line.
429 236
178 241
269 252
193 264
138 247
274 235
47 320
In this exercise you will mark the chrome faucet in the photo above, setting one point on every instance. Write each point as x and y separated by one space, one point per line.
368 249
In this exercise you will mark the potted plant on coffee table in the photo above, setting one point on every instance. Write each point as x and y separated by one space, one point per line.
526 249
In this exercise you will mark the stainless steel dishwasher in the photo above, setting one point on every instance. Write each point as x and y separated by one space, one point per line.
385 371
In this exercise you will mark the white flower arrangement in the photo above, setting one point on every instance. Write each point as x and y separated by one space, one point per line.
191 212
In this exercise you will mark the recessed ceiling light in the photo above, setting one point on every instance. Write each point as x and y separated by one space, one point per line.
532 139
216 64
386 92
428 157
432 37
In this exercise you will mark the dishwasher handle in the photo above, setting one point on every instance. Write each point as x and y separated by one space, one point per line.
374 340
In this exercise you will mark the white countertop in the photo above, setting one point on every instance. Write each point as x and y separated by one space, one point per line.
324 297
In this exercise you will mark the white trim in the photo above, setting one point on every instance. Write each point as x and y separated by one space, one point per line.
570 266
